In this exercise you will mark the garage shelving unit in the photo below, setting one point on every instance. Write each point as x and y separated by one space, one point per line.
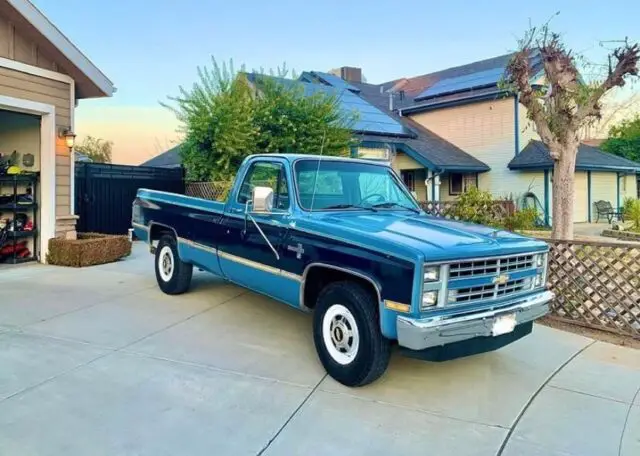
14 185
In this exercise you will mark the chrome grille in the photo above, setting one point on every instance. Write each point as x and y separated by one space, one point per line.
473 268
471 294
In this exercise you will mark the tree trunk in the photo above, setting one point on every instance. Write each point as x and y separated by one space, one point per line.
564 192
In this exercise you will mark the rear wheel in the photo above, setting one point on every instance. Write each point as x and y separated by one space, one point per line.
173 274
346 332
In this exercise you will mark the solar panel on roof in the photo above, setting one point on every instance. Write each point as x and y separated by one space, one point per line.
461 83
335 81
370 119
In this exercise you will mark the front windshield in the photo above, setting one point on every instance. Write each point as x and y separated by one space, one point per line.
349 185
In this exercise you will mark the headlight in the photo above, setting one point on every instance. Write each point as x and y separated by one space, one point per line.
431 273
539 280
540 259
429 298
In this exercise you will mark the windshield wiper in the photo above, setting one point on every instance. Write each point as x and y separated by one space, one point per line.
350 206
391 204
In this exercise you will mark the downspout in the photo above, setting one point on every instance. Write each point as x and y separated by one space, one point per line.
546 197
589 194
617 191
516 123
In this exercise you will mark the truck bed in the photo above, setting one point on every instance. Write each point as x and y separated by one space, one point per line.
181 200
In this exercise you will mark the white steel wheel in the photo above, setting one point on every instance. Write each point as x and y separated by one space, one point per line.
166 263
340 334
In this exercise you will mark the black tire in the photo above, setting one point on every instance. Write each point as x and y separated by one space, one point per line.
176 281
371 358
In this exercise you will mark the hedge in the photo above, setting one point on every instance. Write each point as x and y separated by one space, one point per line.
88 250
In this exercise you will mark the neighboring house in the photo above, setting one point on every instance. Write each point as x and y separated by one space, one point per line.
465 108
168 159
42 77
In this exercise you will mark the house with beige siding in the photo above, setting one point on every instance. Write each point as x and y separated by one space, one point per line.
42 77
466 107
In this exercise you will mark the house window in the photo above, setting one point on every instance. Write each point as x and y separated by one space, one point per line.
460 183
409 179
374 153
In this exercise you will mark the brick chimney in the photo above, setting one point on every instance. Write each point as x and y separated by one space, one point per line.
351 74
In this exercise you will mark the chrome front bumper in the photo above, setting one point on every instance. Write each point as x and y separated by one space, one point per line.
418 334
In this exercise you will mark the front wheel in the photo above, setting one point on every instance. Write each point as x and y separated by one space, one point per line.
173 274
346 333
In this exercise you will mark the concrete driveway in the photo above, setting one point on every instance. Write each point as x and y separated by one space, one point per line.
98 361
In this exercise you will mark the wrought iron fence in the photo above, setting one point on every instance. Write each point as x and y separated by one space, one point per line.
597 285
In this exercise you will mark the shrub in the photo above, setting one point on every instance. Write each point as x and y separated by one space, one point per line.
632 214
88 250
627 204
522 219
474 205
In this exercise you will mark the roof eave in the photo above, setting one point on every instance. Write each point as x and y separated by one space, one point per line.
447 104
547 166
66 47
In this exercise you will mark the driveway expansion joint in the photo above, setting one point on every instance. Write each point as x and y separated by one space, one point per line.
535 394
288 420
626 420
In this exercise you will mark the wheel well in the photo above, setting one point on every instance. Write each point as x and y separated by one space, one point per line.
319 277
157 231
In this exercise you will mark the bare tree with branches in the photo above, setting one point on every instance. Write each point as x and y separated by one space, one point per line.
561 110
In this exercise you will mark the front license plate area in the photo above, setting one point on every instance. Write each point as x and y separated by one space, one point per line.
504 324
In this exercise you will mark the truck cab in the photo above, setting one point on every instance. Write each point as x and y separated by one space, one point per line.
345 240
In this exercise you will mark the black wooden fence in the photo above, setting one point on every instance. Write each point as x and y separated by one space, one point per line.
105 193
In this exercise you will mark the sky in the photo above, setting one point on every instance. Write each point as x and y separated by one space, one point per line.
149 48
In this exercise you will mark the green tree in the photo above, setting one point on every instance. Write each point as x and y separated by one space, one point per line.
624 139
225 117
96 149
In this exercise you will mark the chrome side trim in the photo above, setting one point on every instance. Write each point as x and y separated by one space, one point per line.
337 268
260 266
197 245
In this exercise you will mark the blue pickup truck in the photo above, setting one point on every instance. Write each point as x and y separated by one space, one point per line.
345 240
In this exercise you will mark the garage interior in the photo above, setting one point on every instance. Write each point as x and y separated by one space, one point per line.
20 163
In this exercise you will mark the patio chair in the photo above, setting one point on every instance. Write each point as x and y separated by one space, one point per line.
605 209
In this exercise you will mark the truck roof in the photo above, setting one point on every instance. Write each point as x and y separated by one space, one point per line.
293 157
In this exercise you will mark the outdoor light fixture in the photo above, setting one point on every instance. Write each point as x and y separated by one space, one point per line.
69 137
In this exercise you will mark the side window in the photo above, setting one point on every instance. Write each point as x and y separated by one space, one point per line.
266 174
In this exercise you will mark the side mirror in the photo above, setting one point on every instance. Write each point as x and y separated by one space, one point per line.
262 199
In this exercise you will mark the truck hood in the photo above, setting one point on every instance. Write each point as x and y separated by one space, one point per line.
435 238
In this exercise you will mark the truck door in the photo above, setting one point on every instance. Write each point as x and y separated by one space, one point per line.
246 257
